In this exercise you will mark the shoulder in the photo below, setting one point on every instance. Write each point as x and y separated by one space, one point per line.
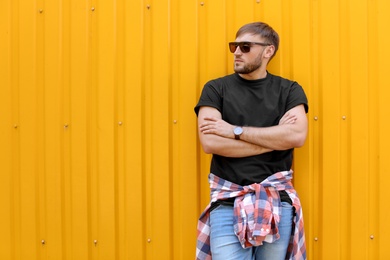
284 82
286 85
219 85
222 80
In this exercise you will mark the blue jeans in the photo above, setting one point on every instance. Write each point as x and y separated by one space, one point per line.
225 245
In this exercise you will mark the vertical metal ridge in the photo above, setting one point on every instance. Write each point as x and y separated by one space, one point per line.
374 204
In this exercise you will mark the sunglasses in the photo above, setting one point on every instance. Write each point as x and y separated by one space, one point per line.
245 47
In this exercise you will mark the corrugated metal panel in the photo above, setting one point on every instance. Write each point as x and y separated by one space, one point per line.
99 155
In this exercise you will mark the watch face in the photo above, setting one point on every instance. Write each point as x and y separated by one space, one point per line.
237 130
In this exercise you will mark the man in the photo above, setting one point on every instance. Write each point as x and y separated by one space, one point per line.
251 121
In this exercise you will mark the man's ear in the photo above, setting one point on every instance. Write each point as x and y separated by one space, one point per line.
269 51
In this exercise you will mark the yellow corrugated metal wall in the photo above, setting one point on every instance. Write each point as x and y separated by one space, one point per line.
99 157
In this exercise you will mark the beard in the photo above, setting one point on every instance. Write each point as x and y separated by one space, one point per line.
249 67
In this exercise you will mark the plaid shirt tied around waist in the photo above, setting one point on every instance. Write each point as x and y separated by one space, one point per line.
257 211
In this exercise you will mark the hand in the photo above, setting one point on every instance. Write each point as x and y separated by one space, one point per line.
217 126
288 118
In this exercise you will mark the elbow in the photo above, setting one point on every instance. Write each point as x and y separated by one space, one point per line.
299 141
208 143
299 144
207 149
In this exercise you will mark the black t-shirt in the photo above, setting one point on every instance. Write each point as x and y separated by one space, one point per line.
258 103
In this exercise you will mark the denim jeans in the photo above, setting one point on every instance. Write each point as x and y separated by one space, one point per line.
225 245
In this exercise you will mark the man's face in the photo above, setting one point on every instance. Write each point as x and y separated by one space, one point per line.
246 63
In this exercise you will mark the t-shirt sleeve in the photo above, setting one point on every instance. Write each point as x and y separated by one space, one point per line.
211 96
297 97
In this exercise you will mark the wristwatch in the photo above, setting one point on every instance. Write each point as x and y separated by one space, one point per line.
237 132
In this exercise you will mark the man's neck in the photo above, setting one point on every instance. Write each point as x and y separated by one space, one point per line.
254 75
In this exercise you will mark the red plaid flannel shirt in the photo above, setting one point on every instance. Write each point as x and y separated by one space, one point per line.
257 210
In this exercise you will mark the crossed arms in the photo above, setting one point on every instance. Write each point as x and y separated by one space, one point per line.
216 135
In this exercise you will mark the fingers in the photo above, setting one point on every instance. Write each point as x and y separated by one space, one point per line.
206 127
214 119
288 119
217 126
208 123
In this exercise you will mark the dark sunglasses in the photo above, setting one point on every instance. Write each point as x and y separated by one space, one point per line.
245 47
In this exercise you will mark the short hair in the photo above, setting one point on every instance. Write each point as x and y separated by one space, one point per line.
262 29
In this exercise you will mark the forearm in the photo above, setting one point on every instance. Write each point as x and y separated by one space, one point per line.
214 144
290 133
280 137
